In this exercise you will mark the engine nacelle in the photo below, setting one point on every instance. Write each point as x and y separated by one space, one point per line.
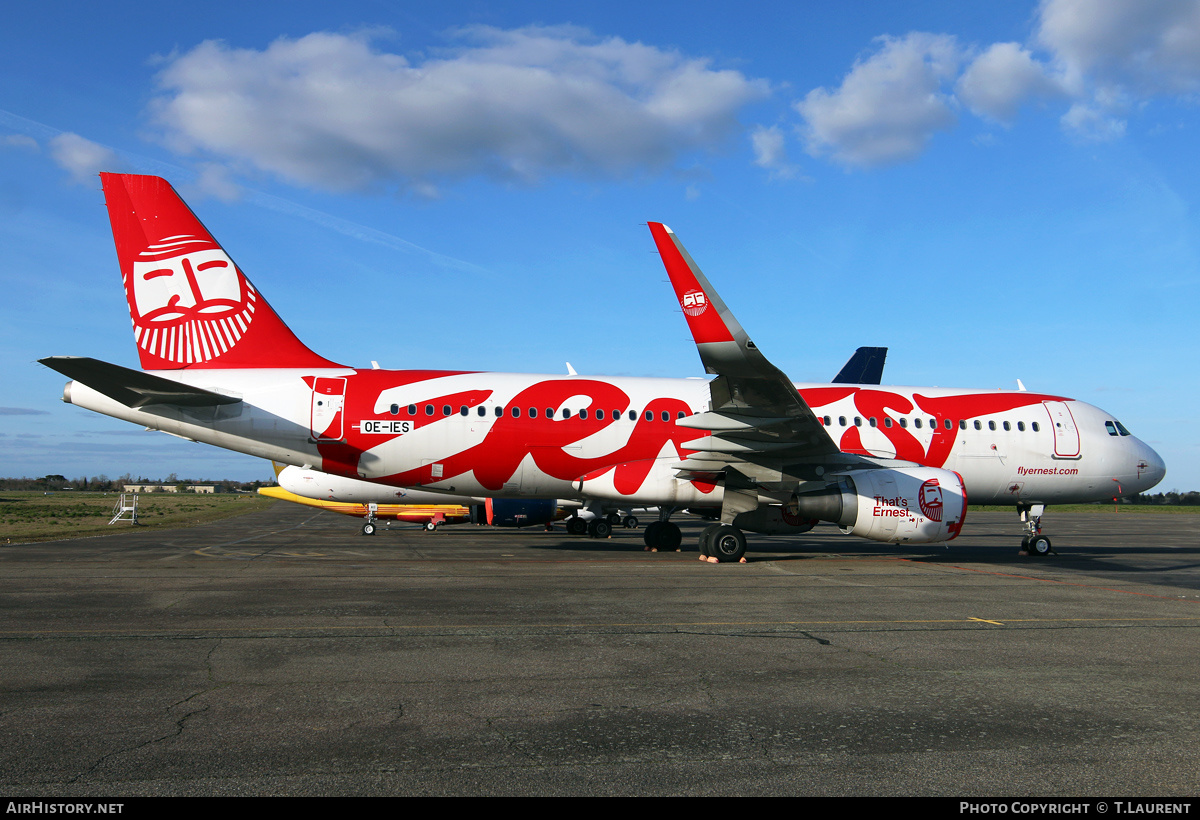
914 505
505 512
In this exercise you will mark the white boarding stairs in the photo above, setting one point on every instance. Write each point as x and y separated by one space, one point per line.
126 509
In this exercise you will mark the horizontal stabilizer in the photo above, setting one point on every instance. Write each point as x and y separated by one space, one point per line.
133 388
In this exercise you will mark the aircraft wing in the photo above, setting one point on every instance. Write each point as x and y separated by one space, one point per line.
756 411
133 388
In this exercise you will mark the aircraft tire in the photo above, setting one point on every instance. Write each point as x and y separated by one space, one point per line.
706 536
430 526
368 529
662 535
614 518
630 522
577 526
727 544
1039 545
599 528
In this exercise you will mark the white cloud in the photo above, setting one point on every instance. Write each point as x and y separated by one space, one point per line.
332 111
1089 122
770 152
82 157
214 180
1147 46
1112 54
20 141
1000 79
1101 58
889 105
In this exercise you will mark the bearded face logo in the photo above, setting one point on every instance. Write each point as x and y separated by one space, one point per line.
189 302
930 498
694 302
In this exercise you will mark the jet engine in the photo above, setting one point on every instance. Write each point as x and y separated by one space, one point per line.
914 505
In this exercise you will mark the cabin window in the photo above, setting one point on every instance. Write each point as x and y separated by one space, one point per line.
978 424
649 415
447 409
872 422
680 415
516 412
842 421
828 421
395 411
949 424
583 413
1021 426
412 409
887 422
917 423
633 415
1007 427
549 412
666 415
858 421
462 411
1035 427
499 411
482 411
962 424
533 412
429 409
991 425
904 423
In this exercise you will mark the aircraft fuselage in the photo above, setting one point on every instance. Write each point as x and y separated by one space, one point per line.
512 435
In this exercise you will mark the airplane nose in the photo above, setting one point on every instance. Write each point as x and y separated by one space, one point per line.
1151 467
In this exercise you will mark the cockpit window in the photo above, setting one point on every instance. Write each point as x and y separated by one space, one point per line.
1111 427
1121 427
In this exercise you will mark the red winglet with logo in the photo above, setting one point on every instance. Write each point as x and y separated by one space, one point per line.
707 316
747 384
191 306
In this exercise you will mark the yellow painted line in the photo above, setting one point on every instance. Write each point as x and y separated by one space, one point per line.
986 621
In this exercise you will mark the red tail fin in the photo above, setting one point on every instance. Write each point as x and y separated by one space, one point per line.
190 305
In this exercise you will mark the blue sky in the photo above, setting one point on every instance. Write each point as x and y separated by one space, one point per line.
993 191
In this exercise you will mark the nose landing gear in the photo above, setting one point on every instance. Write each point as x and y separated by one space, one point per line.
1034 543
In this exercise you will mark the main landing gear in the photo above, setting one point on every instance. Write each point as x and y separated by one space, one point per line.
662 535
722 542
601 526
1034 543
592 527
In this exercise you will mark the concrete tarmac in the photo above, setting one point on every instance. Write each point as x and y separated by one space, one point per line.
284 653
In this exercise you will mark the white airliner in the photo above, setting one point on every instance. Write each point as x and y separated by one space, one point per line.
893 464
